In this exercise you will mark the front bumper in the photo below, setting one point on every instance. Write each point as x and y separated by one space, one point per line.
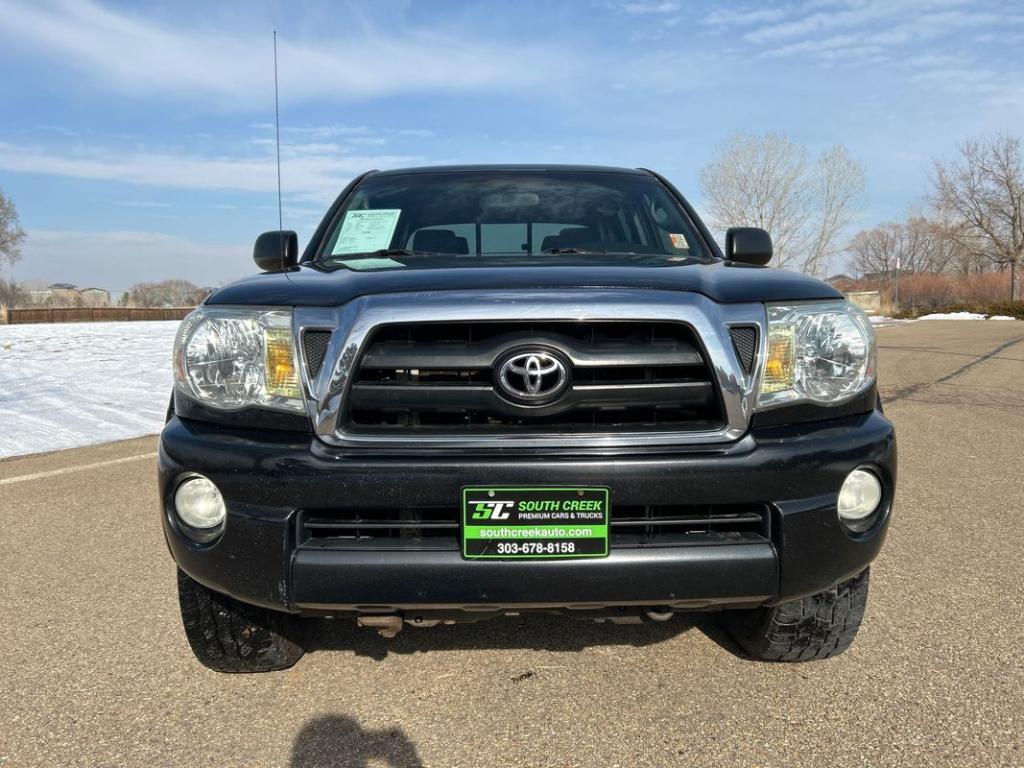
267 477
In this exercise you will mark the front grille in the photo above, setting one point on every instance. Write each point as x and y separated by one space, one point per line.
437 528
442 378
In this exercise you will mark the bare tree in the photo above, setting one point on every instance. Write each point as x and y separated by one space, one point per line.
946 253
11 233
770 182
838 184
168 293
63 299
915 245
983 193
875 251
13 295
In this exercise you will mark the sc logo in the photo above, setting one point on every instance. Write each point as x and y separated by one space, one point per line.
492 510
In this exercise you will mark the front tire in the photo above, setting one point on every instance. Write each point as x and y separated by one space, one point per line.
815 627
227 635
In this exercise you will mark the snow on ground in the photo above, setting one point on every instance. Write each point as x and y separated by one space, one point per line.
64 385
953 316
881 320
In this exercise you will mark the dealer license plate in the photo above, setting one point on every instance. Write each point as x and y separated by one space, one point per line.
534 523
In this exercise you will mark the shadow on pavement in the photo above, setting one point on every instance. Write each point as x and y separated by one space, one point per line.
336 741
529 631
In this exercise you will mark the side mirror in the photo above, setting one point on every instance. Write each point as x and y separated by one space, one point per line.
748 245
276 250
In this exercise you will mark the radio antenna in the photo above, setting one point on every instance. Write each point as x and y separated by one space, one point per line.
277 129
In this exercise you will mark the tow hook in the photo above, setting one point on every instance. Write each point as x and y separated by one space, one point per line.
388 625
663 615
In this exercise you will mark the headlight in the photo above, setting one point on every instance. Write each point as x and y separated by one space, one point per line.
234 358
821 353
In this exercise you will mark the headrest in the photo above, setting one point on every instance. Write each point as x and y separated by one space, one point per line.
549 242
439 241
569 238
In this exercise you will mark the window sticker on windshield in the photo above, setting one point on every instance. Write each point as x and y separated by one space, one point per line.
367 231
679 241
361 264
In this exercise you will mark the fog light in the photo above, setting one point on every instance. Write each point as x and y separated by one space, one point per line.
199 504
859 497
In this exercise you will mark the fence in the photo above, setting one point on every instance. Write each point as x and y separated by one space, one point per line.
869 301
90 314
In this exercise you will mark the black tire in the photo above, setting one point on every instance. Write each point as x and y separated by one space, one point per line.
816 627
230 636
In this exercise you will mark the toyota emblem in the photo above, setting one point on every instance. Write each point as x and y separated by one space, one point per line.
533 376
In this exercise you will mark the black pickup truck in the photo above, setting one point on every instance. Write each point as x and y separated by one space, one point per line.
487 390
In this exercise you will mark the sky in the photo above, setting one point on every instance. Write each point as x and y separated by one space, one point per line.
137 139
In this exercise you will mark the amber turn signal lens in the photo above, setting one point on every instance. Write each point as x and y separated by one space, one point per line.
778 368
282 378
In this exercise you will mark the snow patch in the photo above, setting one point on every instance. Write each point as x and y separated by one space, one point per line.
953 316
1002 317
881 321
66 385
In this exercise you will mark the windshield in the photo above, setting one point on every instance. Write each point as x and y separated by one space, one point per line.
505 216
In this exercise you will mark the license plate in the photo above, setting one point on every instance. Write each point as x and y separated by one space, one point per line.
534 523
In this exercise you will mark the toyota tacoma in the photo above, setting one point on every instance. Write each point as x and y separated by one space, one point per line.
486 390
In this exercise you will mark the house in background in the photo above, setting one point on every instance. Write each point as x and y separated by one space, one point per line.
95 297
841 282
70 295
59 294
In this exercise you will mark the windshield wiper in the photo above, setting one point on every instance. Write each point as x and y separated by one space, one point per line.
569 250
382 253
386 252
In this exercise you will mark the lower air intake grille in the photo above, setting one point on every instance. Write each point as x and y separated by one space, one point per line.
670 525
744 339
314 346
434 528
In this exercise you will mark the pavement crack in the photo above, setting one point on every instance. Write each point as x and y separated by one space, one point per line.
913 389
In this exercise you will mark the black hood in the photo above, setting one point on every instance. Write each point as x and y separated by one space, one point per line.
726 282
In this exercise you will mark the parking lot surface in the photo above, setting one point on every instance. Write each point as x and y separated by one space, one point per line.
95 669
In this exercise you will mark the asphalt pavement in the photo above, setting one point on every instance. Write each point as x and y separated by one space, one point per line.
95 669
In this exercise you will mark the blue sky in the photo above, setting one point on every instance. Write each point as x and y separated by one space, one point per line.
137 139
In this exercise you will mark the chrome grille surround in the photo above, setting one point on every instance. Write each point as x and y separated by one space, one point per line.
353 323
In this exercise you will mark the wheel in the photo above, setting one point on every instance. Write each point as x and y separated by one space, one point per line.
230 636
815 627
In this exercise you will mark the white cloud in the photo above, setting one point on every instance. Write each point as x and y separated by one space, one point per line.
311 171
911 19
141 204
118 260
231 67
332 131
728 17
647 8
415 133
858 32
823 21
